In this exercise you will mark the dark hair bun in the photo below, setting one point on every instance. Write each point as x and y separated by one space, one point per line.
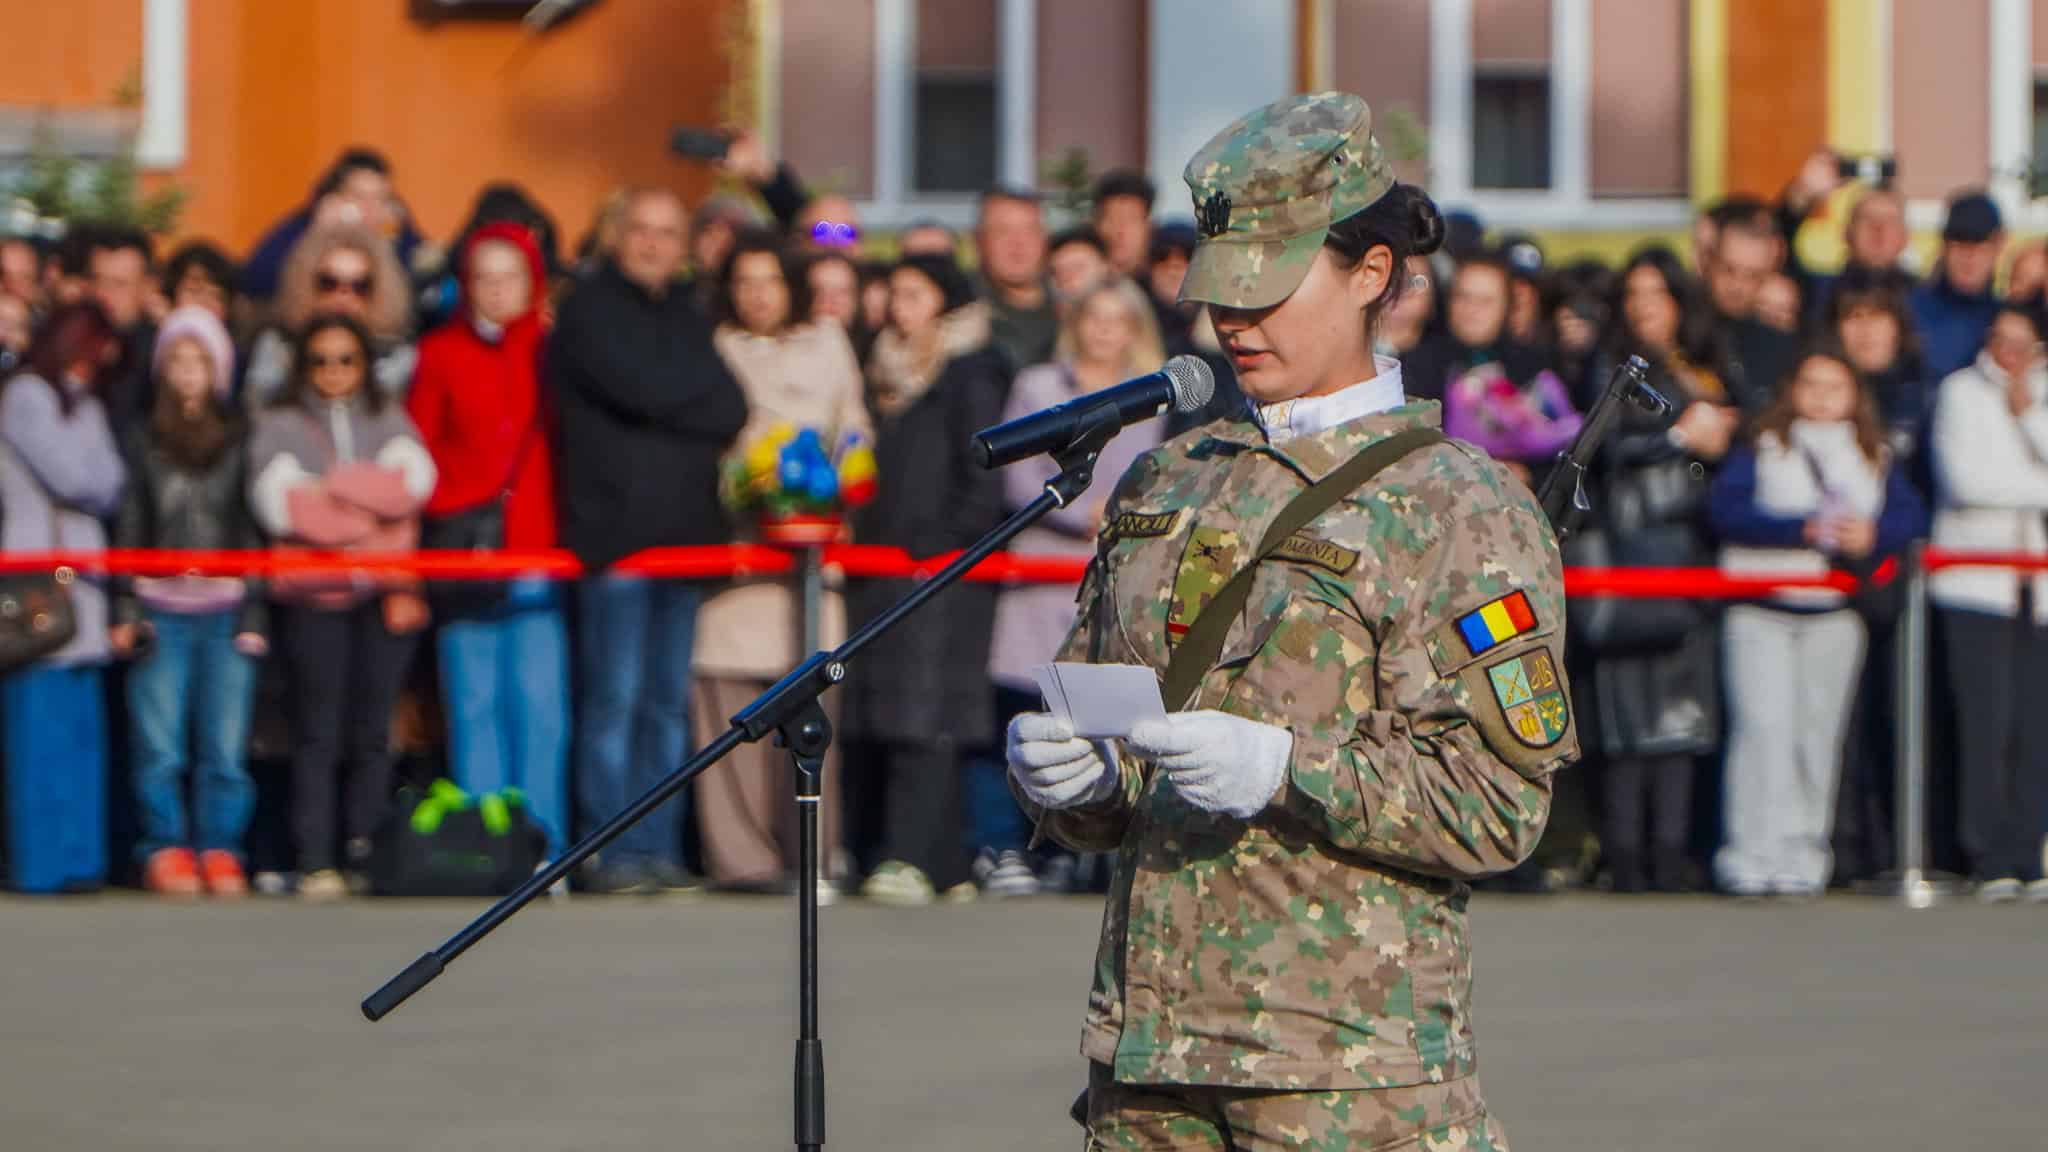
1425 222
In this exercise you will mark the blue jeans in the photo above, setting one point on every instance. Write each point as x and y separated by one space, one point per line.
505 677
192 690
993 819
633 725
56 751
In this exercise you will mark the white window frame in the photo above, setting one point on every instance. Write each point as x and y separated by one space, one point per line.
160 141
1568 204
893 202
2009 95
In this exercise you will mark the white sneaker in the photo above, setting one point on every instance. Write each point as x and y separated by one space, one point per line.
1005 874
2004 890
896 883
2037 891
323 886
557 891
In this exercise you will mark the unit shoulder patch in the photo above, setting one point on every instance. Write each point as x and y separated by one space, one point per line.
1531 697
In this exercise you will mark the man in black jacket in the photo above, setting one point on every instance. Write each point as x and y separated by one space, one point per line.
647 408
1757 356
118 263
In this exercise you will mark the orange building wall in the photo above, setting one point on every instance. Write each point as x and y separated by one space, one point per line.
1777 91
277 87
72 54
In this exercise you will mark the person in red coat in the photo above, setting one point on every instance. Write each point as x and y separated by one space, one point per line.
480 409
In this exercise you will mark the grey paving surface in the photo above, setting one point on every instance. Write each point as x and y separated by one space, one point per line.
1604 1025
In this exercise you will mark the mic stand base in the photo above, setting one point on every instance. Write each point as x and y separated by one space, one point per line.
808 735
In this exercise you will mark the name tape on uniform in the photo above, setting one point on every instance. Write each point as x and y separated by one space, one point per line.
1144 525
1307 549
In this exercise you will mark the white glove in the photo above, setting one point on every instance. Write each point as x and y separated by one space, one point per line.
1218 762
1056 768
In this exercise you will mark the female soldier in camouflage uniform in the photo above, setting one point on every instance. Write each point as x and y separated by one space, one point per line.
1283 961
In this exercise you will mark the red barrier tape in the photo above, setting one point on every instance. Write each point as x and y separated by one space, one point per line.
856 561
1936 559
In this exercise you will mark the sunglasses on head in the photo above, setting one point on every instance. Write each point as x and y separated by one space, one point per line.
345 360
833 234
329 282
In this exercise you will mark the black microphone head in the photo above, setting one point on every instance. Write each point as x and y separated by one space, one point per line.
1194 382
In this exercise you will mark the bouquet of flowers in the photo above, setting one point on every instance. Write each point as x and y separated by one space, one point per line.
796 489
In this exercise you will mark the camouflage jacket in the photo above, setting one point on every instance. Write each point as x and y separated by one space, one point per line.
1412 640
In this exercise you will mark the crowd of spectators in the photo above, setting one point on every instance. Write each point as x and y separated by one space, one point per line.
352 385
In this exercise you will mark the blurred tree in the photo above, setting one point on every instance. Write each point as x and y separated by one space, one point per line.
1069 174
1403 138
71 189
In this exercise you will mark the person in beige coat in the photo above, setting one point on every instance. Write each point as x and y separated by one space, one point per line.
749 631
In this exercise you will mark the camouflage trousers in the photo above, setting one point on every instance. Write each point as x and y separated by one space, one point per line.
1183 1118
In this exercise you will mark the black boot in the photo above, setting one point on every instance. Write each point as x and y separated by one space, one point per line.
1670 871
1625 872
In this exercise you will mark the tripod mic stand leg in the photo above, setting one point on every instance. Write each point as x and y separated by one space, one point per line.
807 736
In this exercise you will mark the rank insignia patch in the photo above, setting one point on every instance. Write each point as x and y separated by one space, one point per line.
1205 567
1531 697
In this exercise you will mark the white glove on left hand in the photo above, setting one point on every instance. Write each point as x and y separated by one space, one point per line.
1218 762
1055 768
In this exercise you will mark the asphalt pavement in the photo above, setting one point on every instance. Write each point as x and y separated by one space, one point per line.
1604 1024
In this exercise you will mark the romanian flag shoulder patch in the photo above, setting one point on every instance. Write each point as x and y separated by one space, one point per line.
1506 619
1496 622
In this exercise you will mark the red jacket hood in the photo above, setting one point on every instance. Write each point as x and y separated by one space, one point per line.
519 237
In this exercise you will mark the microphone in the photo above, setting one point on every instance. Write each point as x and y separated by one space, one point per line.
1186 383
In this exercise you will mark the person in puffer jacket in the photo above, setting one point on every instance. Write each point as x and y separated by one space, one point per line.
1817 489
1990 445
194 640
336 466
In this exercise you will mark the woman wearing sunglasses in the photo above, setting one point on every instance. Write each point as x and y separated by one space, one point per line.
346 270
336 465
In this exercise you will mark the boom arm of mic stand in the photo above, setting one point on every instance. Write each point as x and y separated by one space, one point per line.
769 711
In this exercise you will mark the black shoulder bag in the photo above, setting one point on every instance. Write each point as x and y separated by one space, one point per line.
477 529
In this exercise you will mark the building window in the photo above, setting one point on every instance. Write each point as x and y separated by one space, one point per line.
1511 128
953 118
956 133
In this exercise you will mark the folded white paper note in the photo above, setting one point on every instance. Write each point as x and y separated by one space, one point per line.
1101 701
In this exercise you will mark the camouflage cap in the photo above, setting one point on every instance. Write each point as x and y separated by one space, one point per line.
1267 189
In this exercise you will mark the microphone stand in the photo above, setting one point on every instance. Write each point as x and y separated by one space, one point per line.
790 709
